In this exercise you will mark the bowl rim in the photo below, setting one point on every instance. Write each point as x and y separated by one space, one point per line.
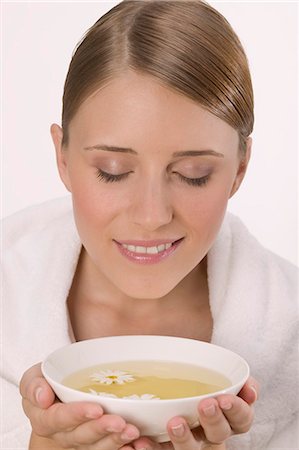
99 398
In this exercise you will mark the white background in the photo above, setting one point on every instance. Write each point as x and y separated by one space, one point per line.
38 40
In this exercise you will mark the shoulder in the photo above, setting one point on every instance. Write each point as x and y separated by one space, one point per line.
247 247
239 264
254 302
35 219
42 247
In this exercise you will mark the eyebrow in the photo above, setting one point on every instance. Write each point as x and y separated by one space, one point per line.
198 153
113 148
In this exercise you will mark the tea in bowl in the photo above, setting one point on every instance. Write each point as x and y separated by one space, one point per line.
145 379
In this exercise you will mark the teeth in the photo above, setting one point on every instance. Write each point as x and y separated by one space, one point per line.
149 250
153 250
140 249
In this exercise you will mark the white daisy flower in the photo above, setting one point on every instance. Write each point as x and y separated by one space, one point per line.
102 394
112 377
142 397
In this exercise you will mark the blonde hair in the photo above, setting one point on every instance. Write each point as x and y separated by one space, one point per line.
187 45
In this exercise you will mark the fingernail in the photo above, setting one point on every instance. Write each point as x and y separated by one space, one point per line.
93 413
38 393
128 436
255 393
225 405
114 429
124 437
209 411
178 430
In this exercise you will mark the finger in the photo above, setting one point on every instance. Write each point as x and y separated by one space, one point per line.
117 440
60 416
207 446
144 443
181 435
213 421
92 431
35 388
238 413
250 391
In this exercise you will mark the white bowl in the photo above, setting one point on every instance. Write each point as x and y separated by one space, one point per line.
150 416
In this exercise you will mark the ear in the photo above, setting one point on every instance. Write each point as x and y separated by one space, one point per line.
61 155
243 164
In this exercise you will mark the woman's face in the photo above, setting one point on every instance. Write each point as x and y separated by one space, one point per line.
150 174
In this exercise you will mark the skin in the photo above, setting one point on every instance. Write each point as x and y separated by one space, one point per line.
155 200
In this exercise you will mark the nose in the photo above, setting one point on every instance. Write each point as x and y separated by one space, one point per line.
151 207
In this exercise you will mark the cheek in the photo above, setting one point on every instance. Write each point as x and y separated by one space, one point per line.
92 210
215 204
98 204
94 204
206 211
85 186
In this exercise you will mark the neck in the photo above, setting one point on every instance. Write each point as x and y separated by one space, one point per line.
96 289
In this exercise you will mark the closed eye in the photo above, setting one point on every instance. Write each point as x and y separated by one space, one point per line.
202 181
109 177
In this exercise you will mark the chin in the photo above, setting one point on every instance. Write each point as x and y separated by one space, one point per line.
146 291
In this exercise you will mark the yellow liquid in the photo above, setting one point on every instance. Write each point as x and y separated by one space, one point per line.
159 379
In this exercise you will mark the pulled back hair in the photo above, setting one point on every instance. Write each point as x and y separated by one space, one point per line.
185 44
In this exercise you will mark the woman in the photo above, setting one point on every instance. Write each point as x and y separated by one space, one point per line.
157 114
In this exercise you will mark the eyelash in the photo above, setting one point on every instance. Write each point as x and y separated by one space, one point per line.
110 178
202 181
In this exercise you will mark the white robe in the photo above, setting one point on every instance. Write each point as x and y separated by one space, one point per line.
253 300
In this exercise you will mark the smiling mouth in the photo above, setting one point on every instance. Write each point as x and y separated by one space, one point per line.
147 250
148 253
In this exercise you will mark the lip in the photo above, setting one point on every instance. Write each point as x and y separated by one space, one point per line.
146 258
148 243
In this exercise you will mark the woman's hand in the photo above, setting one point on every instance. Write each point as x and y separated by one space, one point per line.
220 418
79 425
84 426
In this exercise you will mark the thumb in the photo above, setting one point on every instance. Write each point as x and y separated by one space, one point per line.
250 391
35 388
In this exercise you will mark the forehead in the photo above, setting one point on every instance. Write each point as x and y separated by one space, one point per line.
138 108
